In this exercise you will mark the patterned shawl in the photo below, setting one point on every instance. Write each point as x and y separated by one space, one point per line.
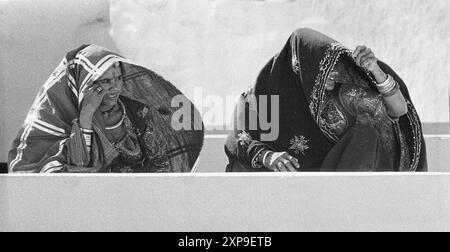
51 141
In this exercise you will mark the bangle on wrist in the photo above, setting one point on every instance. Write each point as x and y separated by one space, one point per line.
255 161
264 160
387 86
88 140
386 82
87 131
392 91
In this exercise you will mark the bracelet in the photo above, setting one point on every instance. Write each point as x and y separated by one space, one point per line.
265 156
391 92
87 140
386 82
88 131
87 135
255 161
387 86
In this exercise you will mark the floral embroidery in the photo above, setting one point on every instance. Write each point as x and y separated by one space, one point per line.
156 151
129 147
255 161
333 117
299 145
244 138
143 113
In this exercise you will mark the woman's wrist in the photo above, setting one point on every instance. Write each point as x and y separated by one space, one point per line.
389 87
379 74
264 158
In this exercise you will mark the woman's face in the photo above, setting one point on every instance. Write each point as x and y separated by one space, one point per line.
111 81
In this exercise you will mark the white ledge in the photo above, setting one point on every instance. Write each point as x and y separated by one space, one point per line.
226 202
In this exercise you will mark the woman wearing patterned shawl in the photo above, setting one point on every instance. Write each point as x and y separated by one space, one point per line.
99 113
339 110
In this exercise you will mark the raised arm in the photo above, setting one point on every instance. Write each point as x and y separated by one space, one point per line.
390 90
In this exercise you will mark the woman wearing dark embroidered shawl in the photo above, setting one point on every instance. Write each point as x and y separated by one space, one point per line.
339 110
99 113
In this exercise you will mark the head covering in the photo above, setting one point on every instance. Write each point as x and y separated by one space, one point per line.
298 76
49 126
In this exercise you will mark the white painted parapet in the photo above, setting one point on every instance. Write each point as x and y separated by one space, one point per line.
230 202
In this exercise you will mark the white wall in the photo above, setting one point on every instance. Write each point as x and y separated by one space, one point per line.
34 37
257 203
222 45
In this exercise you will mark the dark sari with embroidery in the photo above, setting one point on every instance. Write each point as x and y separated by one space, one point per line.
325 130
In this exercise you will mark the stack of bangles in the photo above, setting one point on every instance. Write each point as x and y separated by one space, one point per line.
256 163
87 135
389 87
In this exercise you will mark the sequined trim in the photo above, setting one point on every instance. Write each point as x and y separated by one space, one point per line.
417 132
318 94
326 66
295 64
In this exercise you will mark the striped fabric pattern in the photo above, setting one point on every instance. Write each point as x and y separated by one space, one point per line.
51 140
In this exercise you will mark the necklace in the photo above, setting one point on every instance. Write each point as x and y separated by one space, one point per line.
117 125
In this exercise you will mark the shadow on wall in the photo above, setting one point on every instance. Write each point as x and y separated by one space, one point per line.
3 168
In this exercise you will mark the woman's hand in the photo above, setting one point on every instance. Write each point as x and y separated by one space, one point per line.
365 57
93 97
281 162
395 104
